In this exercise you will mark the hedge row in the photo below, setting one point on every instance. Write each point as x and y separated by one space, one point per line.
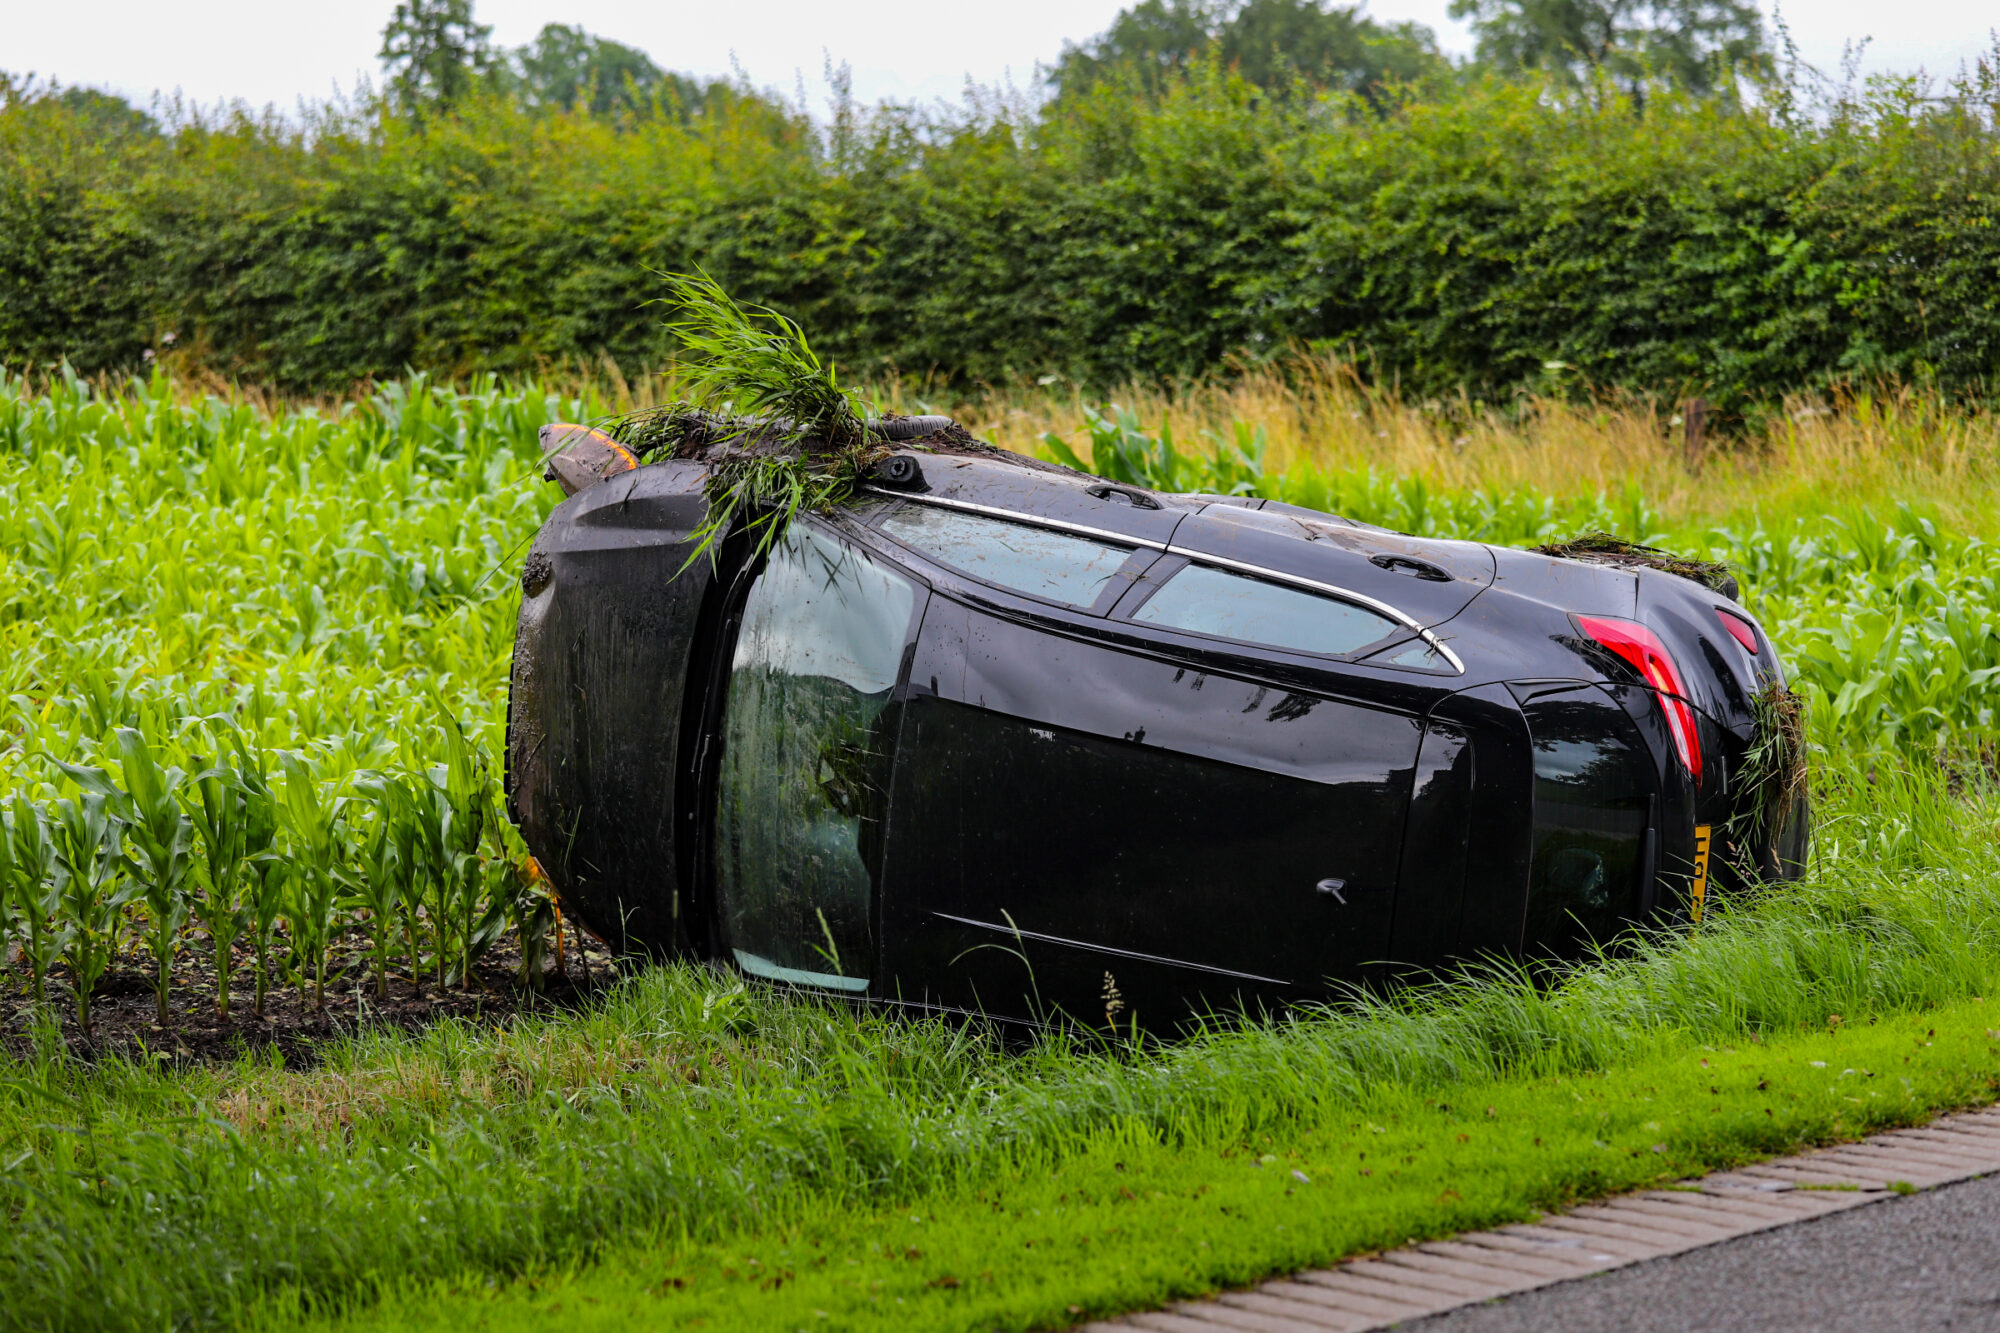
1467 240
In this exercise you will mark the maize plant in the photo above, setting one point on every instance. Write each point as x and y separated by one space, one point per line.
402 811
428 830
8 911
264 868
315 848
95 890
378 882
159 840
466 782
220 809
34 883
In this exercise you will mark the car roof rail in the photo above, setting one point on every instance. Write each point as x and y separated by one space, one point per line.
907 428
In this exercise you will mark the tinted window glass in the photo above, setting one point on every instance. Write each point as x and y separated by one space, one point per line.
1047 564
1592 792
805 760
1232 606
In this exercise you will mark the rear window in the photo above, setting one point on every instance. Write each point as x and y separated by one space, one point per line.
1235 606
1051 565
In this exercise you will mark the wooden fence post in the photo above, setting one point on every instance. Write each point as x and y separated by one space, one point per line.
1694 431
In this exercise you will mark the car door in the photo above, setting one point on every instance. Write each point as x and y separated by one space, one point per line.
807 723
1117 813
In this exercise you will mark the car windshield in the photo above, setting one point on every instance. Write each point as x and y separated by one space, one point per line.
1052 565
1234 606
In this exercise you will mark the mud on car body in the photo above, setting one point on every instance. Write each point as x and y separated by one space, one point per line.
1001 737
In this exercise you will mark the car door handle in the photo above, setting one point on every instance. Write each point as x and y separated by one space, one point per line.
1404 564
1137 499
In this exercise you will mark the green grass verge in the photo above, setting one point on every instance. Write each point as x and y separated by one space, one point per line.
1131 1221
688 1108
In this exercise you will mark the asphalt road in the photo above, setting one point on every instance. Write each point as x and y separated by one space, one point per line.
1918 1262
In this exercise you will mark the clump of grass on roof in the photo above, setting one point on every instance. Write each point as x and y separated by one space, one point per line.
1773 777
1604 549
778 429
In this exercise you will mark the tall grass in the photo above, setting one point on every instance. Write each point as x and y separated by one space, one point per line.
1858 445
692 1107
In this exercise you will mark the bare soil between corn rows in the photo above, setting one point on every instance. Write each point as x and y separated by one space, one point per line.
125 1016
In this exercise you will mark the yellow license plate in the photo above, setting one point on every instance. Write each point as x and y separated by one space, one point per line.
1698 892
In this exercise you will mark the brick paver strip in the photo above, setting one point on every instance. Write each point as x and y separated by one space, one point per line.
1566 1249
1379 1290
1596 1241
1486 1273
1352 1279
1162 1322
1260 1314
1259 1303
1947 1138
1951 1143
1775 1204
1504 1265
1833 1177
1379 1312
1427 1279
1687 1226
1601 1228
1944 1159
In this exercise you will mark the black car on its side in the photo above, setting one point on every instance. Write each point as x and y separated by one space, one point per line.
1000 737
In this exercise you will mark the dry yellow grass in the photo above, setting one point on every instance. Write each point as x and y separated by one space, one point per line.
1855 446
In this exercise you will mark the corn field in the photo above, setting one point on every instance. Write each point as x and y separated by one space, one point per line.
255 668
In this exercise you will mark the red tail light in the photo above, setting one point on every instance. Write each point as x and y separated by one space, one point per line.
1648 656
1739 629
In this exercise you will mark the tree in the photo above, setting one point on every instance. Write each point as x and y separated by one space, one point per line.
108 116
1271 43
435 53
1151 41
565 65
1692 44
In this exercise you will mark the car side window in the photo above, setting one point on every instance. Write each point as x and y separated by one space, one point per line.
805 760
1052 565
1213 601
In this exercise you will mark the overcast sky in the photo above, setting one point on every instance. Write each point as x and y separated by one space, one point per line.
278 51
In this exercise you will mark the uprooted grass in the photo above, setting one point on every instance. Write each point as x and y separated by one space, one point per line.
1603 548
778 429
1774 777
690 1107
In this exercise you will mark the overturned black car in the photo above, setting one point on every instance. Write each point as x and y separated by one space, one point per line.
997 736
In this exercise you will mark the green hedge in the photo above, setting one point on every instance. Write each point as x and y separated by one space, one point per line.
1464 241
